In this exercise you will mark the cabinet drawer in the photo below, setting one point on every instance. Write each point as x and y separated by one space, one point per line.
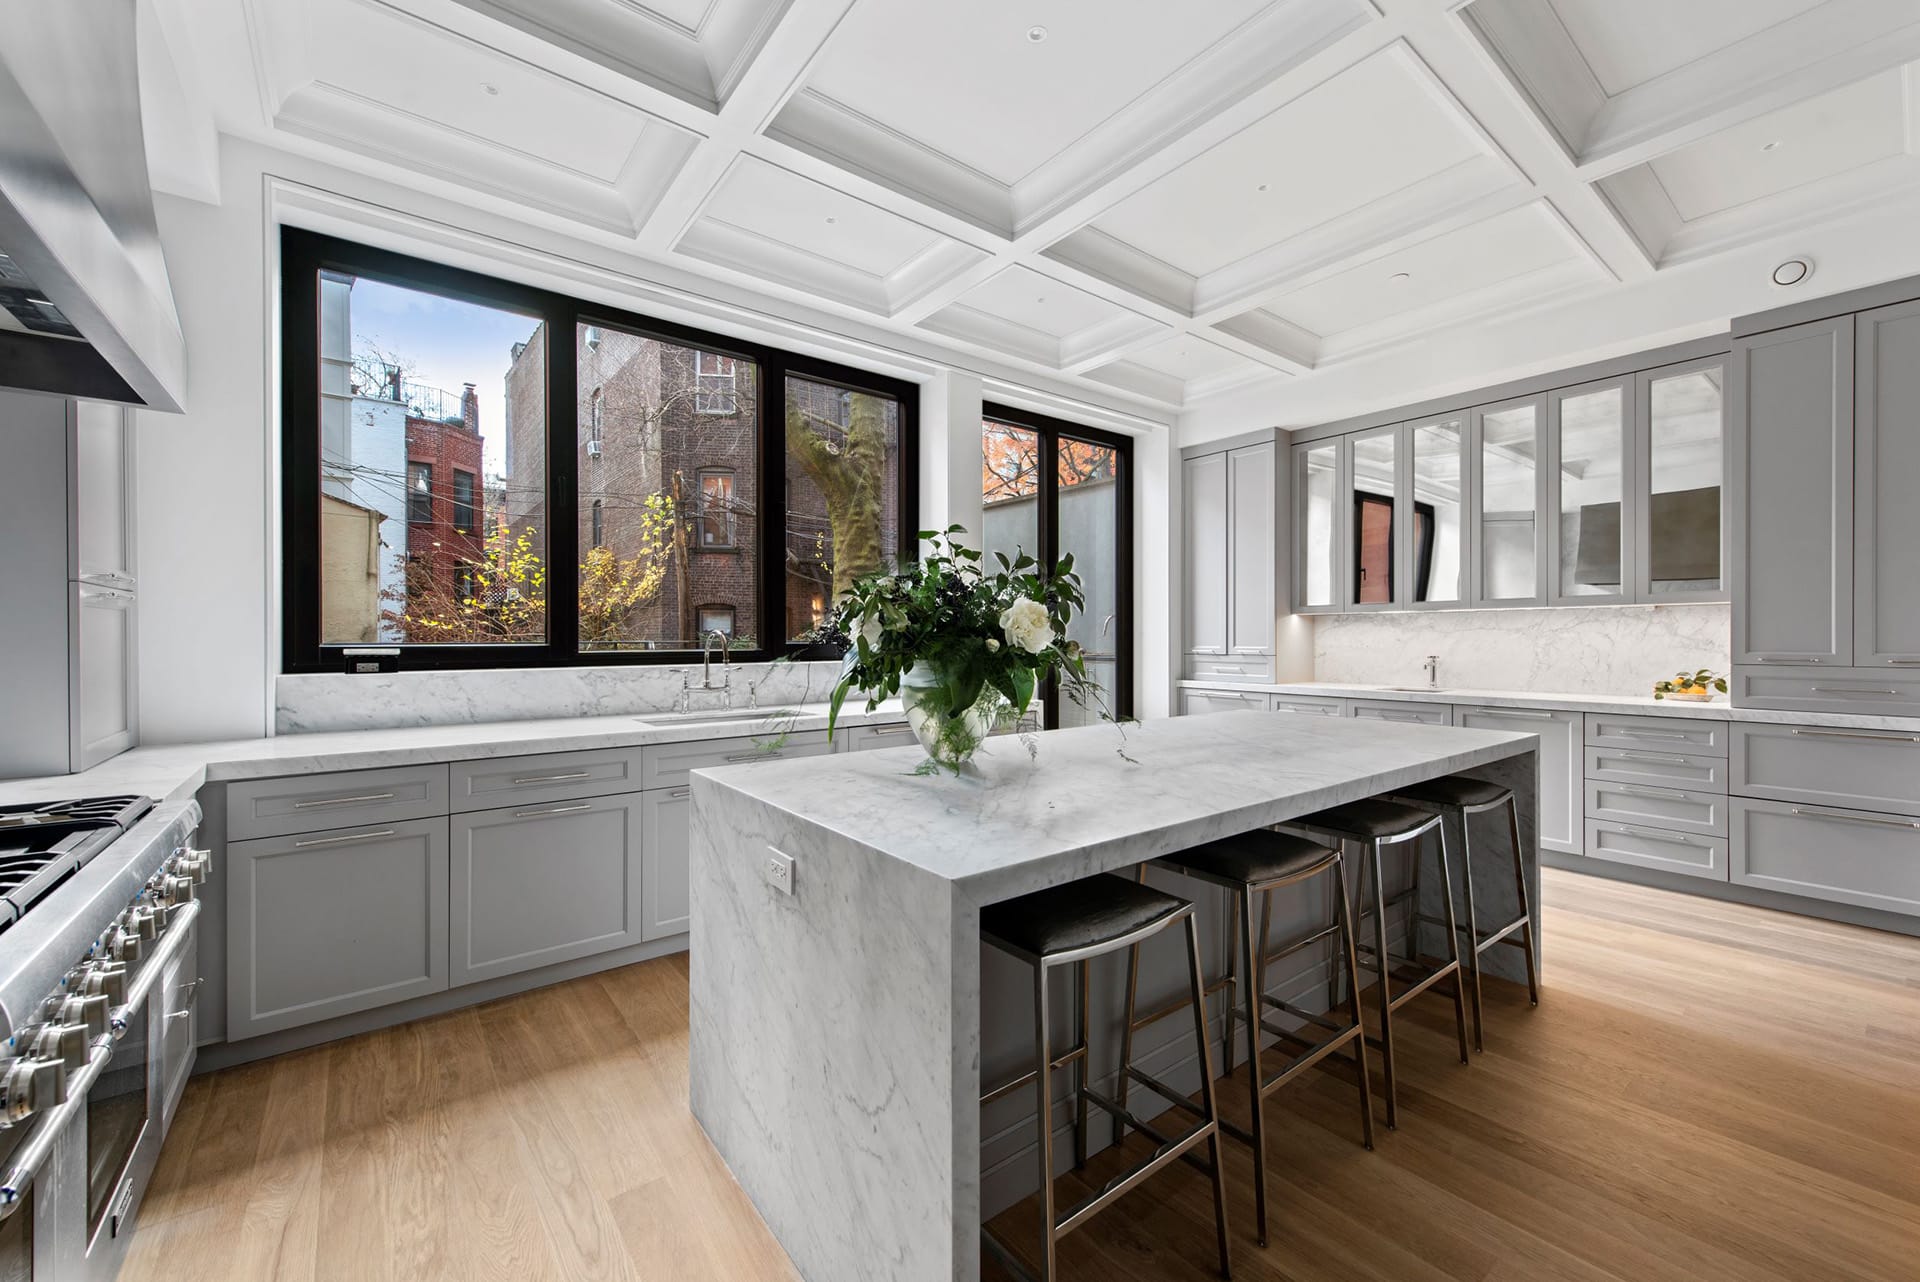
667 765
1692 854
350 799
1889 693
1661 734
1229 667
1672 808
1426 714
1688 770
552 776
1864 769
1311 705
667 875
1847 856
861 738
1195 702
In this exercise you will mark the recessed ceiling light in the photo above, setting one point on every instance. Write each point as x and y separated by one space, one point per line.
1792 272
492 89
1036 34
831 220
1400 278
1773 145
1263 186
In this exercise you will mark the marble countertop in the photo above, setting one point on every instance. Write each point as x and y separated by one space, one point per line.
1645 704
174 772
1014 823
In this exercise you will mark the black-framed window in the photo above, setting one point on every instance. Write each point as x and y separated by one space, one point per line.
1049 487
587 436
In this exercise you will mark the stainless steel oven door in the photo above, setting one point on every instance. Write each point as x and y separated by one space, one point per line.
122 1126
30 1237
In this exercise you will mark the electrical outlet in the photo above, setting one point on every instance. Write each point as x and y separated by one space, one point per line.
780 870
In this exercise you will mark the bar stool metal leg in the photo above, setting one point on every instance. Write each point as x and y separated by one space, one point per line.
1080 1071
1383 967
1251 955
1208 1104
1352 967
1526 904
1043 1080
1472 959
1453 942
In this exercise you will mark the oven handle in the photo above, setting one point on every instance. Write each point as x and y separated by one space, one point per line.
32 1155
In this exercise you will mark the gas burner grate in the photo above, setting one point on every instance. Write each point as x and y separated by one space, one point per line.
75 816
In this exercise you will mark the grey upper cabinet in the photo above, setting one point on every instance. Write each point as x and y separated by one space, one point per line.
1590 494
1320 538
1792 492
327 924
535 885
1886 444
1376 564
1250 549
1435 540
1510 488
1204 503
1680 518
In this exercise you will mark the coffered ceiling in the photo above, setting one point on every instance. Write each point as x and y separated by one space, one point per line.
1281 202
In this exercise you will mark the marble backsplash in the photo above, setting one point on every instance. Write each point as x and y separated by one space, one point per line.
311 702
1590 650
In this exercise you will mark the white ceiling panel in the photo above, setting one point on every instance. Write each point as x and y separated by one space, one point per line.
1629 42
1805 143
966 81
816 219
1445 271
1192 359
1361 136
1039 303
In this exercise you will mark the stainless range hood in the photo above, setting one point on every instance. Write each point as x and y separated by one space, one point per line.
86 307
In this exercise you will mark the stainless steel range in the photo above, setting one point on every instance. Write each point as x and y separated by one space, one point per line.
97 979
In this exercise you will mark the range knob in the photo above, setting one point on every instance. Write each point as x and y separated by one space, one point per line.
194 864
142 921
123 945
106 980
88 1012
176 890
31 1086
64 1042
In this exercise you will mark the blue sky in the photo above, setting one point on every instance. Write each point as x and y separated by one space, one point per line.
449 343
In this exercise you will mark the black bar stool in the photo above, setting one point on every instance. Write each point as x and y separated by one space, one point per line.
1376 824
1461 796
1072 925
1259 863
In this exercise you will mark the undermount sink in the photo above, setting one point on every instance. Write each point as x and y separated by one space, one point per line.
1416 689
716 715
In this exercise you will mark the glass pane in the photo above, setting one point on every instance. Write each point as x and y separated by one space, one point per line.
1439 454
1684 468
1592 479
433 468
1374 482
1009 490
668 444
843 494
1089 516
116 1114
1318 473
1509 458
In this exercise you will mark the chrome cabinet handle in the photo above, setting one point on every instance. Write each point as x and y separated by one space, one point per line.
1857 819
1848 690
1652 734
1903 662
1787 658
755 755
1855 734
1642 792
1650 756
344 801
887 732
553 810
679 794
1661 835
1512 712
576 774
343 840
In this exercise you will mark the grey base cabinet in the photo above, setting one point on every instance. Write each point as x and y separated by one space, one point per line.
1825 852
534 885
328 924
1561 762
667 824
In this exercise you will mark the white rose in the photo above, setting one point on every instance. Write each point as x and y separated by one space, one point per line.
871 630
993 646
1026 624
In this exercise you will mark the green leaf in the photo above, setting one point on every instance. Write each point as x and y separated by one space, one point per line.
833 708
1023 683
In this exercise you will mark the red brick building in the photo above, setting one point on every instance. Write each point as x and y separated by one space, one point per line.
446 501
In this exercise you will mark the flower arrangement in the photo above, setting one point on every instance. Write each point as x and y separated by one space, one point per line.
1697 686
961 644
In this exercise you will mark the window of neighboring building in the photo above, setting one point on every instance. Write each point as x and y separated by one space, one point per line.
420 493
532 566
716 508
714 384
466 518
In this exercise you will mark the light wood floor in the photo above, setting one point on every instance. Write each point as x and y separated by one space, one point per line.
1707 1092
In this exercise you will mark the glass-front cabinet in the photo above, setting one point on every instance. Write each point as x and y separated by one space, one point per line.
1681 527
1317 549
1589 501
1510 485
1436 531
1373 463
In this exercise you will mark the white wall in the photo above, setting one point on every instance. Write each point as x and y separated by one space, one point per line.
208 480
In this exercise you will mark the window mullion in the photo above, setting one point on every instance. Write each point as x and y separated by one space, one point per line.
563 485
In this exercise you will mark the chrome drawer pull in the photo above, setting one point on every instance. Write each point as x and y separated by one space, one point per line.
1653 734
344 801
340 841
552 810
1513 712
1651 756
576 774
1857 819
1680 837
680 794
887 732
1902 662
755 755
1786 658
1646 792
1848 690
1856 734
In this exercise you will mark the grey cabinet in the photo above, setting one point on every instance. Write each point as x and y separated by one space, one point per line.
666 818
554 776
1320 535
862 738
1510 500
1793 474
1204 516
1691 854
1425 714
1307 705
1828 765
1251 532
1827 852
1193 702
1702 735
1674 809
327 924
1886 530
1696 772
1560 763
535 885
341 799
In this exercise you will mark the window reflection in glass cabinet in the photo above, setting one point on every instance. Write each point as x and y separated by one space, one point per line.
1509 462
1438 516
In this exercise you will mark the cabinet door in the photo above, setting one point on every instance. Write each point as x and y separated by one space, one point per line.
535 885
1825 852
1590 494
1436 536
1792 492
329 923
100 716
666 821
1680 519
1193 702
1205 500
1250 550
1318 545
1510 492
1424 714
1373 495
1560 764
1886 444
103 533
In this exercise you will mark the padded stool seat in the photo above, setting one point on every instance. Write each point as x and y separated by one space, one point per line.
1080 914
1365 820
1456 790
1250 858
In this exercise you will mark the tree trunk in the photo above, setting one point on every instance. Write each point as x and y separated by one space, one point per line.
853 481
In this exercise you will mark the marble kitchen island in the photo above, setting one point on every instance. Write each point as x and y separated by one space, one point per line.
838 1042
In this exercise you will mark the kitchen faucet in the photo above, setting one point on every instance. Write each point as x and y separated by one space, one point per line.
1433 671
715 636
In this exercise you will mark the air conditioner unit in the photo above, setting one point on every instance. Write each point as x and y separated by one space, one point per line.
593 449
592 338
